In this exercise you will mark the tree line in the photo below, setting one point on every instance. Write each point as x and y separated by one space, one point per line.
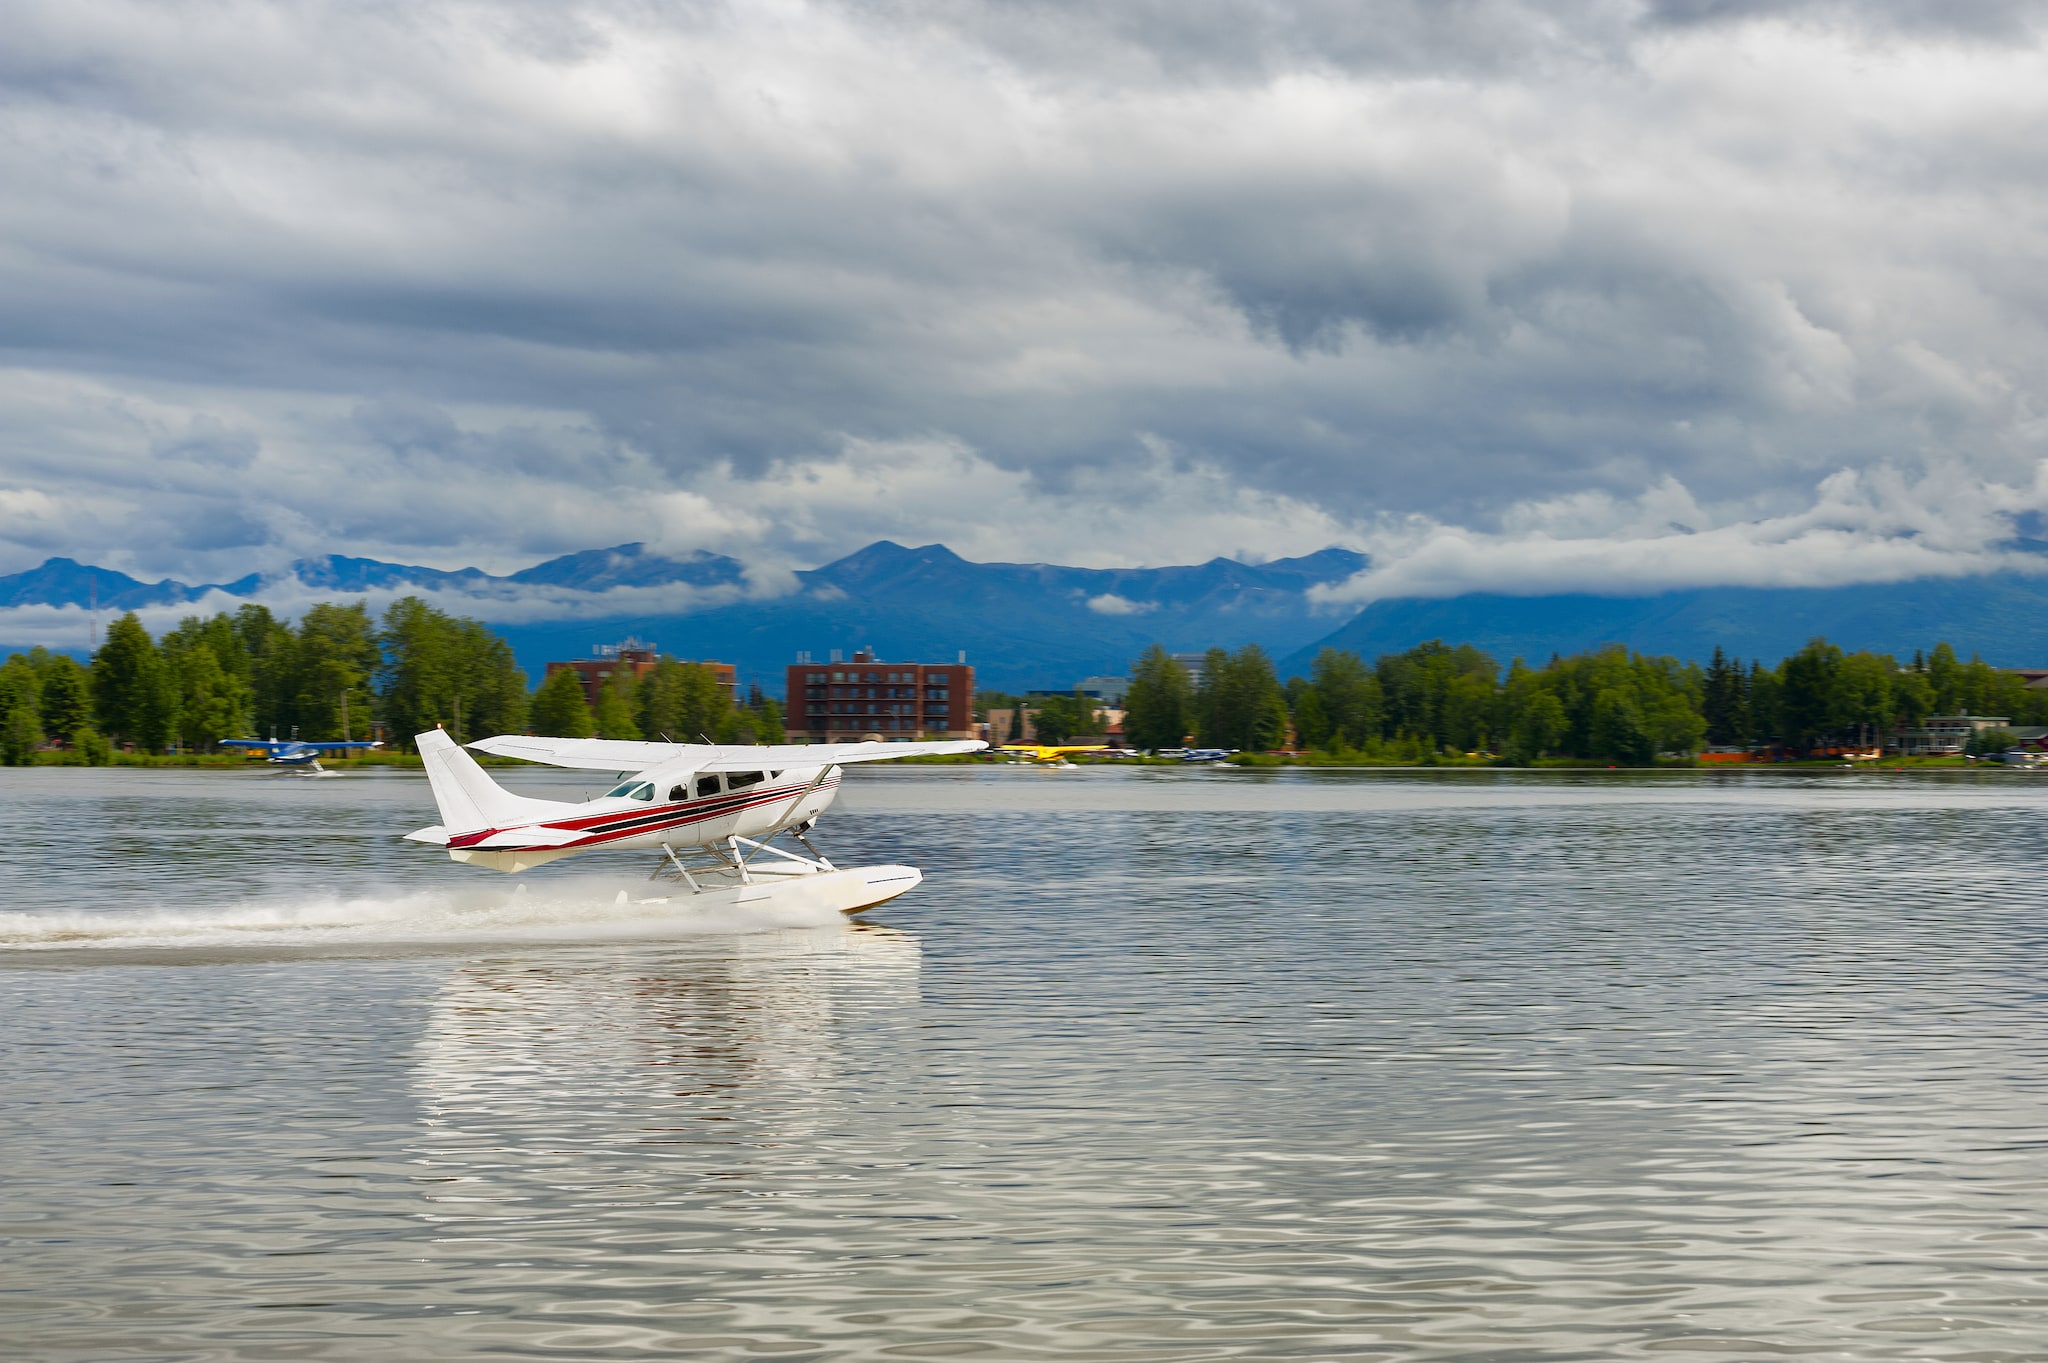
329 675
676 701
1608 704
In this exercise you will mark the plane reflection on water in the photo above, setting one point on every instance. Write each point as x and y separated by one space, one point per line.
632 1070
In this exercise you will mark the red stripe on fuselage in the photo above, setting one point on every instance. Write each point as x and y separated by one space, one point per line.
619 823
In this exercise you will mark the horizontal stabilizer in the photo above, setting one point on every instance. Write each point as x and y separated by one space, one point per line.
436 836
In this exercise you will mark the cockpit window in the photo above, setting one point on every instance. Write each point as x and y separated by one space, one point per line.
631 790
678 794
740 779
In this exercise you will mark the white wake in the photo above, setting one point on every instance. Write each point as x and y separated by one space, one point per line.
576 910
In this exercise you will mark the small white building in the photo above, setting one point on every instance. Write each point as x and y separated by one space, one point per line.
1944 735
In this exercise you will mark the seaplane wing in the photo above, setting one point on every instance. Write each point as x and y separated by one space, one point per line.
1046 752
588 754
608 754
293 752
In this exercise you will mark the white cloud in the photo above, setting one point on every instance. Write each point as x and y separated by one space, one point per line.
483 281
1109 603
1862 526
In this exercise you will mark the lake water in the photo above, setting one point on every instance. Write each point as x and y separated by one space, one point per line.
1156 1065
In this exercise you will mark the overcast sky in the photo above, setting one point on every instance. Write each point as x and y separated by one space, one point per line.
1584 293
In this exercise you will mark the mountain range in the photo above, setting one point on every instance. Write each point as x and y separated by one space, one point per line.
1027 625
1021 624
2002 616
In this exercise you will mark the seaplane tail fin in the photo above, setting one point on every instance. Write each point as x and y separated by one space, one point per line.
468 797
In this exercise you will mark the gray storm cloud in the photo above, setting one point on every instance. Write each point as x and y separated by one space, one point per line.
479 282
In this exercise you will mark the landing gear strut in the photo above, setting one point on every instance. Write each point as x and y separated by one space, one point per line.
730 861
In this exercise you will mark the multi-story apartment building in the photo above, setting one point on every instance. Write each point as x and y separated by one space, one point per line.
845 702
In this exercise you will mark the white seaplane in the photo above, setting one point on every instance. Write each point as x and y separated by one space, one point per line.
710 809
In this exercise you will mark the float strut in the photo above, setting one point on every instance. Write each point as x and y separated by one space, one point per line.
681 870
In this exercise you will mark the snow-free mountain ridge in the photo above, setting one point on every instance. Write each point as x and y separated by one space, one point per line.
1027 625
1021 624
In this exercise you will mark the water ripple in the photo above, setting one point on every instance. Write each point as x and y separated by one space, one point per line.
1156 1066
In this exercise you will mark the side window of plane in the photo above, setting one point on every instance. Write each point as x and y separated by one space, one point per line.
739 780
678 794
707 786
632 790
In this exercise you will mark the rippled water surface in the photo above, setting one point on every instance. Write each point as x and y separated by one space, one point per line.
1155 1065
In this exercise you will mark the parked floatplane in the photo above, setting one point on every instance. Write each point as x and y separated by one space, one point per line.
710 810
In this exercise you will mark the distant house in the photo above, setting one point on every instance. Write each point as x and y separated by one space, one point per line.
1944 735
1000 728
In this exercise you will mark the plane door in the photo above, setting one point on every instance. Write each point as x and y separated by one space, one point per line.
708 791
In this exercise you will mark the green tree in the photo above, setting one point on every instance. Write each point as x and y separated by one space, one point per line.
1158 709
447 671
1061 718
1765 713
559 709
1978 691
1539 726
1617 705
1945 678
1912 697
21 685
1988 741
1418 690
1239 704
334 660
1349 696
134 696
760 720
1312 727
66 701
21 732
260 650
1725 701
89 748
1864 702
683 703
212 704
614 712
1618 730
1809 709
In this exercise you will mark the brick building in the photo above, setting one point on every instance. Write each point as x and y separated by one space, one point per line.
850 701
638 659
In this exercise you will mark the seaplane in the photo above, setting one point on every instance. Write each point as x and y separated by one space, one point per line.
290 752
1053 755
711 810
